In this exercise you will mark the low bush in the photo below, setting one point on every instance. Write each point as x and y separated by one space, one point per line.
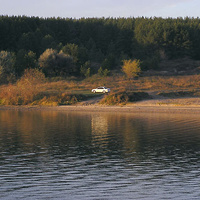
25 91
14 95
10 95
123 97
59 99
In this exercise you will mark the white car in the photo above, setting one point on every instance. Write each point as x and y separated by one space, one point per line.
101 89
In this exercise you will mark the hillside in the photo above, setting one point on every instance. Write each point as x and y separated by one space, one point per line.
99 42
181 66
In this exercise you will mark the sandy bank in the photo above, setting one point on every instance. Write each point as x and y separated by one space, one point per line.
157 105
194 109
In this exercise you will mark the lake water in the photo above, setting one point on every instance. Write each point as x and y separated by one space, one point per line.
74 155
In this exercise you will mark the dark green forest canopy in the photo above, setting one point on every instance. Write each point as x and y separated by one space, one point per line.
104 40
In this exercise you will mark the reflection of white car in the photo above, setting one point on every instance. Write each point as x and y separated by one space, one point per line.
101 89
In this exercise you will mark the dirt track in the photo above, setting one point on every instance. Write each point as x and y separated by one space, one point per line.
91 101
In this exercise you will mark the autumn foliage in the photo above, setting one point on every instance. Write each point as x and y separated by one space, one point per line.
131 68
25 90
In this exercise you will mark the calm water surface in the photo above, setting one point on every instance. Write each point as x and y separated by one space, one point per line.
74 155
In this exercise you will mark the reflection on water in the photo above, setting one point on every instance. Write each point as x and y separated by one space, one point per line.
99 126
74 155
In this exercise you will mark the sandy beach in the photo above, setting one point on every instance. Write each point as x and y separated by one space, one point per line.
131 108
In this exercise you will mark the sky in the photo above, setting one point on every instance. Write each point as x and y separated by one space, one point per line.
101 8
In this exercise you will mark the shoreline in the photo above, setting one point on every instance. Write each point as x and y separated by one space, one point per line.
132 108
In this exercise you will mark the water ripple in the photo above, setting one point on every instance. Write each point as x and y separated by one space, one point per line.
125 156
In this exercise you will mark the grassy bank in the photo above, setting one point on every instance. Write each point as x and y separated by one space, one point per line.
35 89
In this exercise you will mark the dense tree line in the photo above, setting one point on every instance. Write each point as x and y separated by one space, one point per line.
91 43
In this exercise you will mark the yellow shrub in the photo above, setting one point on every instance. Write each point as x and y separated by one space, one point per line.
131 68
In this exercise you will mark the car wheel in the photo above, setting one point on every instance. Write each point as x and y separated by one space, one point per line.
94 91
104 91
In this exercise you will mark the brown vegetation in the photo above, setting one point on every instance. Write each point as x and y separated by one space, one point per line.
123 97
34 89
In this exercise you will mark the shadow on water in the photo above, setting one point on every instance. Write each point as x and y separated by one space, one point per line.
98 155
